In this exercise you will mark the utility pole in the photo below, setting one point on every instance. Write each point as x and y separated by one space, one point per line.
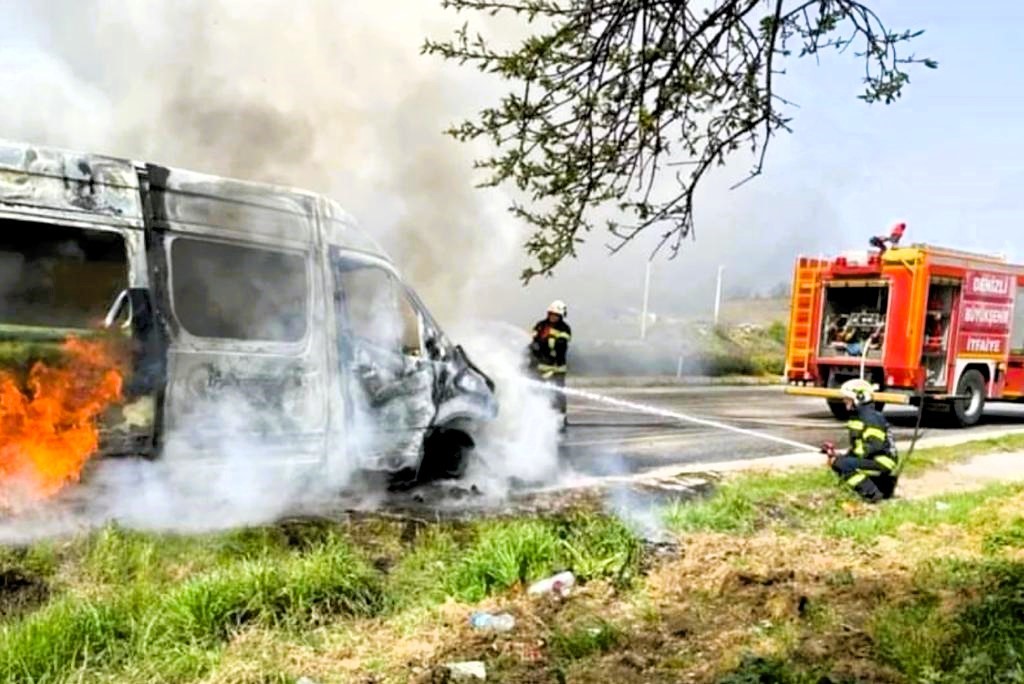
647 292
718 293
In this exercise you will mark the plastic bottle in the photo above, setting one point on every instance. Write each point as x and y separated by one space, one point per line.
560 584
502 622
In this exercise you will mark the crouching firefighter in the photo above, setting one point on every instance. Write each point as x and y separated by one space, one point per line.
549 351
871 466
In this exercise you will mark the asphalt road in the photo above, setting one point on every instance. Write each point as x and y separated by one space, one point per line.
608 440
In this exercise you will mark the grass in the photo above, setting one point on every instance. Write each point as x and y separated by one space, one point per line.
755 669
962 622
749 502
959 509
925 459
585 640
505 554
738 362
981 640
813 499
1006 536
22 346
781 579
179 628
148 607
19 356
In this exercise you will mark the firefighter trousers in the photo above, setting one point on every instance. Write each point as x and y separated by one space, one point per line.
869 478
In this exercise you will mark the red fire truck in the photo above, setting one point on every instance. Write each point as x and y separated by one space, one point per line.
924 324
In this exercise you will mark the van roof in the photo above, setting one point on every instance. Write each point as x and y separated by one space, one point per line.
51 181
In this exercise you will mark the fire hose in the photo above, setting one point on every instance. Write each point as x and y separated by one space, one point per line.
829 448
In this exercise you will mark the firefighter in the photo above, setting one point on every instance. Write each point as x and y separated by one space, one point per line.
549 350
870 466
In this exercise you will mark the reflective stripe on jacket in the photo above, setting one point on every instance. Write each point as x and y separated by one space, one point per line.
870 437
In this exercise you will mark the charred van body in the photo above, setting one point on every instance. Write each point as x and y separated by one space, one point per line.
254 313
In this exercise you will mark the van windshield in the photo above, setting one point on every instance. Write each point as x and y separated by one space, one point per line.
58 277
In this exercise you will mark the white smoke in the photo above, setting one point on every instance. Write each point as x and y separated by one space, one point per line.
521 445
330 96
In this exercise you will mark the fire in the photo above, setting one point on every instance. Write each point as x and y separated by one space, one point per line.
49 423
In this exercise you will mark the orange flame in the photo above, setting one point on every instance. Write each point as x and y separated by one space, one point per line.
49 426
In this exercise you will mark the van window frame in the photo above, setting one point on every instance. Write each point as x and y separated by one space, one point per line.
226 343
125 233
342 260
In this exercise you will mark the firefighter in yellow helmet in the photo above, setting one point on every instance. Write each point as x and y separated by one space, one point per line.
549 351
871 466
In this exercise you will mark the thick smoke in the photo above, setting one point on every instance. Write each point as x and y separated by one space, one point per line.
519 445
335 97
321 96
330 96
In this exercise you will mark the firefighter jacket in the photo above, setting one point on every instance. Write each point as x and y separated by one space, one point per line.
870 437
551 346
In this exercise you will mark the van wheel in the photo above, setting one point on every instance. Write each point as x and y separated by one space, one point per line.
967 412
445 455
838 409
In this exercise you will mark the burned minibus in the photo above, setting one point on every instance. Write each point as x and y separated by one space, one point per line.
254 315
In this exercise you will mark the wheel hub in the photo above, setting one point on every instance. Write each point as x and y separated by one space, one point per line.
974 402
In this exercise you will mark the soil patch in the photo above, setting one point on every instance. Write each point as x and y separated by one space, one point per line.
20 592
972 475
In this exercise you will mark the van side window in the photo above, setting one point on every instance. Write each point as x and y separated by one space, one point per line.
376 309
59 277
368 298
233 292
410 326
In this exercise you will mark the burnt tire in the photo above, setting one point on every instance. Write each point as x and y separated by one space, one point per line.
967 412
838 409
446 454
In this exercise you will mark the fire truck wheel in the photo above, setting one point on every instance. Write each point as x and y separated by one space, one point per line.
838 410
967 412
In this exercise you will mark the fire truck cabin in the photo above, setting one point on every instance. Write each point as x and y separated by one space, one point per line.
923 323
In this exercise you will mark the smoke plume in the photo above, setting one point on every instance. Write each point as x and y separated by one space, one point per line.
335 97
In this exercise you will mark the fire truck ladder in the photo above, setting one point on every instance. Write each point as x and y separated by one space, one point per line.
800 345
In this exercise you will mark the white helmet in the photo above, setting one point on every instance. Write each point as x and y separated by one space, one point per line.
858 391
558 307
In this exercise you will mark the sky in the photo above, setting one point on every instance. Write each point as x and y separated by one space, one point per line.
335 96
947 157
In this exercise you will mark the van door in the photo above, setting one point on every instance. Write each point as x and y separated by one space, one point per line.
389 382
246 355
71 251
60 281
241 375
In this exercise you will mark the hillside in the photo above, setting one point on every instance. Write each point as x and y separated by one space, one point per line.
749 340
